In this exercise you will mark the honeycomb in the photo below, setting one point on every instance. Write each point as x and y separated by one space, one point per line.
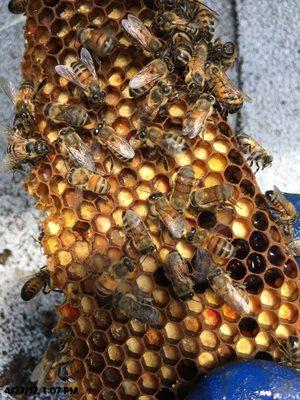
113 357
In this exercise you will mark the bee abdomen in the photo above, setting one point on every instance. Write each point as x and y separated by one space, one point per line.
81 71
31 289
221 247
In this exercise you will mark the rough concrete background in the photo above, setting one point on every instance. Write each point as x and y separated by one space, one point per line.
266 32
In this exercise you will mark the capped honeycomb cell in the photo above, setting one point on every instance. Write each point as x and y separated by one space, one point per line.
115 357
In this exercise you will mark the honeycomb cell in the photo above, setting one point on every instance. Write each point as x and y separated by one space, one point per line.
244 208
191 325
259 241
209 340
276 256
274 277
256 263
260 221
236 269
270 298
168 377
134 347
290 269
149 383
245 347
233 174
111 377
151 361
228 332
207 360
268 320
248 327
132 369
213 179
173 332
254 284
189 347
95 362
242 248
289 290
207 220
241 228
288 313
102 319
170 354
247 188
202 151
115 355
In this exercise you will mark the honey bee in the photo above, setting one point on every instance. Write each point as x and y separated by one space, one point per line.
197 76
227 94
215 244
178 274
195 122
78 152
147 77
168 215
205 17
69 114
134 307
17 6
223 54
143 36
83 74
40 281
207 197
23 100
294 247
137 232
110 279
182 49
257 154
157 98
284 209
118 145
88 181
169 22
169 142
101 42
220 282
182 188
291 352
53 358
20 150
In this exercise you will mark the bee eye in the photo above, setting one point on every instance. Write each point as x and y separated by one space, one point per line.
24 115
191 86
143 134
152 248
193 231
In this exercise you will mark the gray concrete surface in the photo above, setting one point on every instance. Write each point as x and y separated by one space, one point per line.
266 32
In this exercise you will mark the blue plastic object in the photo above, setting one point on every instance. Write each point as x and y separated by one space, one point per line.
249 380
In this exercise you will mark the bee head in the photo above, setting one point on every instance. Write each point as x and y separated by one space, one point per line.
155 196
143 134
41 147
190 235
128 264
166 88
267 160
99 97
229 49
98 128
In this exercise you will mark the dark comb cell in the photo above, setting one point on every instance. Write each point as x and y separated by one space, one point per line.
259 241
160 277
260 221
96 362
290 268
276 256
112 377
107 394
247 188
225 129
242 248
261 202
118 333
165 394
207 220
248 327
187 369
235 157
233 174
256 263
98 341
274 233
262 355
274 277
236 269
102 319
254 284
80 349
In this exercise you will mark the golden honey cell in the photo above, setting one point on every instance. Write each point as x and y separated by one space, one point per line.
114 357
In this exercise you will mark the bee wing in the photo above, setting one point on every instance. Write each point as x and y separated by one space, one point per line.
40 372
279 195
193 126
87 60
9 89
202 265
9 163
238 298
175 225
137 30
215 13
121 146
226 81
69 74
82 156
176 268
145 76
171 145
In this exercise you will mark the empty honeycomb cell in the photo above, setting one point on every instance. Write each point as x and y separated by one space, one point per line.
235 157
244 207
227 332
176 311
268 320
207 360
241 228
189 347
256 263
102 319
202 151
217 163
233 174
207 220
134 347
254 284
270 298
259 241
274 277
248 327
191 325
209 340
276 256
111 377
288 313
247 188
213 179
149 383
245 347
200 169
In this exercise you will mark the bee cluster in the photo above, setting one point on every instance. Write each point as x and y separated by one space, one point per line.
170 259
